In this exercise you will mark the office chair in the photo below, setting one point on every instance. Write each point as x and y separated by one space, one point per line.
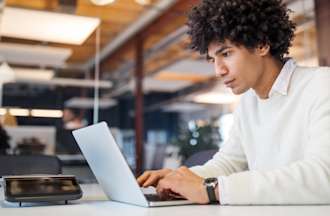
200 158
29 164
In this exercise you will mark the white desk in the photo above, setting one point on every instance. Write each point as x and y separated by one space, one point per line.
94 203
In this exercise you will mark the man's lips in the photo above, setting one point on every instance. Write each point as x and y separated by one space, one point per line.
228 82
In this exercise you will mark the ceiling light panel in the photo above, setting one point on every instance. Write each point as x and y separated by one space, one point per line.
183 107
34 54
33 74
47 113
88 103
154 85
215 98
79 83
193 67
2 111
47 26
19 112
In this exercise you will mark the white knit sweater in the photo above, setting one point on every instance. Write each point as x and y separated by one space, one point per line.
279 148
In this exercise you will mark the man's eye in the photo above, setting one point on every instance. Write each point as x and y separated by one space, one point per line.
210 60
225 54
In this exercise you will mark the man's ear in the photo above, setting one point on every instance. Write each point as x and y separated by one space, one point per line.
263 50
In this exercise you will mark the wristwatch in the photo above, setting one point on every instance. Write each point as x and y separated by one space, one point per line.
210 185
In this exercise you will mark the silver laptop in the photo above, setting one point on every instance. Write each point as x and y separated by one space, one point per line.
111 169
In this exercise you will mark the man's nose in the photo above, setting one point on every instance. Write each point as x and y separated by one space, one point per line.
220 70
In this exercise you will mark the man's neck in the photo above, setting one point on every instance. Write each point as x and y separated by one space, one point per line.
272 69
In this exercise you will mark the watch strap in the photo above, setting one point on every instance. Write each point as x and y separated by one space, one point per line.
211 194
211 184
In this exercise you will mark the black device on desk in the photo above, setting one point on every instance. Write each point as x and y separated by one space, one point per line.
41 188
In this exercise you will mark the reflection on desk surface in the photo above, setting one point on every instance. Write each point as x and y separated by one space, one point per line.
94 202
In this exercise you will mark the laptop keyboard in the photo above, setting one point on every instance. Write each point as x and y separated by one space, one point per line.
155 198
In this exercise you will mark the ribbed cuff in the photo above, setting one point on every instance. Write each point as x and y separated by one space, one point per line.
223 196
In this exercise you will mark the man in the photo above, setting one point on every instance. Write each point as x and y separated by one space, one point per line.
72 119
279 148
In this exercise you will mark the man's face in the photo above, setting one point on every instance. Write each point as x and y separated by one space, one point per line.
239 68
67 115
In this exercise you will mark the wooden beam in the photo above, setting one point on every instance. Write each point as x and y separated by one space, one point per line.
155 32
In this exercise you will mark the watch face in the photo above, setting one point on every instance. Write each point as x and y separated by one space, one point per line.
210 180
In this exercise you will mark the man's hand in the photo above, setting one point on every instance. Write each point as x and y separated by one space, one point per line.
151 177
185 183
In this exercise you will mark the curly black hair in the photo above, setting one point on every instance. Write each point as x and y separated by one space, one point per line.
243 22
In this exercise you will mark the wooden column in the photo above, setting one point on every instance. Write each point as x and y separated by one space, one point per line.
322 16
139 105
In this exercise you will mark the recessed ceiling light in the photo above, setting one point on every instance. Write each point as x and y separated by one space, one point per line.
102 2
47 26
143 2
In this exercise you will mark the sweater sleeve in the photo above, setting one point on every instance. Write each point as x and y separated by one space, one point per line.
306 181
230 158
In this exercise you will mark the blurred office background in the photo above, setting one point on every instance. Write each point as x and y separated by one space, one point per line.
66 64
